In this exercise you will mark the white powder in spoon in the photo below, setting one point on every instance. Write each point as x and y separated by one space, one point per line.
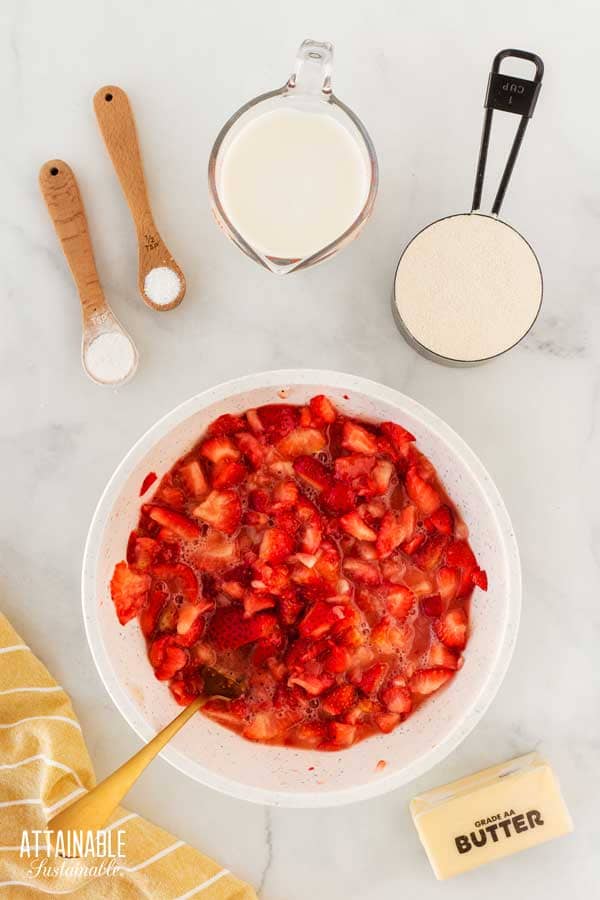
162 285
110 357
468 287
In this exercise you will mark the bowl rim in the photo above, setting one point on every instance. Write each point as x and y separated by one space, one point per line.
282 378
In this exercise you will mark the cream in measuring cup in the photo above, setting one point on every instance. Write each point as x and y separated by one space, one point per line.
293 174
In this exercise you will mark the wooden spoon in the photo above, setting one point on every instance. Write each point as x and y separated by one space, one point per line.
161 282
93 810
103 335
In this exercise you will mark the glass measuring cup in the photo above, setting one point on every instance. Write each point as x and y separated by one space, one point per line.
308 90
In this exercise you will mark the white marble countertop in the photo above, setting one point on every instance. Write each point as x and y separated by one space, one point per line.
416 74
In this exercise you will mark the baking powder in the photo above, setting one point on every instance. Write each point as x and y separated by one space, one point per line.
162 285
110 357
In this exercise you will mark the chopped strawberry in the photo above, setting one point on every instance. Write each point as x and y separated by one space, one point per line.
183 691
228 712
276 546
190 624
302 441
388 637
179 578
255 601
263 726
328 562
447 583
142 551
347 468
218 448
442 657
193 475
361 570
430 554
312 471
354 525
129 591
148 482
305 417
395 529
151 611
222 510
285 493
174 521
381 475
452 629
338 700
479 577
410 547
322 408
441 520
277 420
290 607
358 440
341 734
318 620
167 657
400 601
372 678
338 660
386 722
251 448
432 606
218 552
397 697
312 684
229 629
426 681
459 554
254 421
312 531
421 492
226 424
397 435
228 473
311 734
339 498
169 494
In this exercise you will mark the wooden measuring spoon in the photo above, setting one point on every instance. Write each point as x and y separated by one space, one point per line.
108 354
93 810
161 282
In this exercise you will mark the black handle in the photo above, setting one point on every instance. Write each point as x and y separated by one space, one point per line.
509 94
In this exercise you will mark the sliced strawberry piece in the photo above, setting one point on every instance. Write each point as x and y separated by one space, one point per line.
328 562
195 480
267 649
358 440
255 601
441 520
226 424
400 601
381 476
372 678
411 547
398 436
441 656
386 722
147 483
458 553
432 606
312 471
251 448
222 510
190 625
312 684
340 735
426 681
263 726
254 421
184 691
167 657
338 700
286 521
447 583
228 473
218 552
220 447
290 607
285 493
347 468
275 546
388 637
150 613
319 619
322 408
452 628
229 629
273 579
430 554
302 441
422 493
361 570
479 577
179 578
231 713
311 734
142 551
397 697
338 660
174 521
169 494
357 527
339 498
129 591
277 420
312 530
395 529
305 417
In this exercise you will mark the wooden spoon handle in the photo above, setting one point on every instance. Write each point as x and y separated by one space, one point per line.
60 191
115 118
93 810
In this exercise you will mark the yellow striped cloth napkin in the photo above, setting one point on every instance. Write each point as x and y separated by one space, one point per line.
44 764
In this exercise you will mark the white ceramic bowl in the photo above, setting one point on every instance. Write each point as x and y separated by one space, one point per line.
284 776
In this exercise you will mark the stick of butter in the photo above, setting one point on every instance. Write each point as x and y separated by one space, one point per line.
489 815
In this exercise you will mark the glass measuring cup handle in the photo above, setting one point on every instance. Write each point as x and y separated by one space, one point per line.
314 64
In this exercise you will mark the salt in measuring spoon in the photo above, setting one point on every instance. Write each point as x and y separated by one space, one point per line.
108 354
161 282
